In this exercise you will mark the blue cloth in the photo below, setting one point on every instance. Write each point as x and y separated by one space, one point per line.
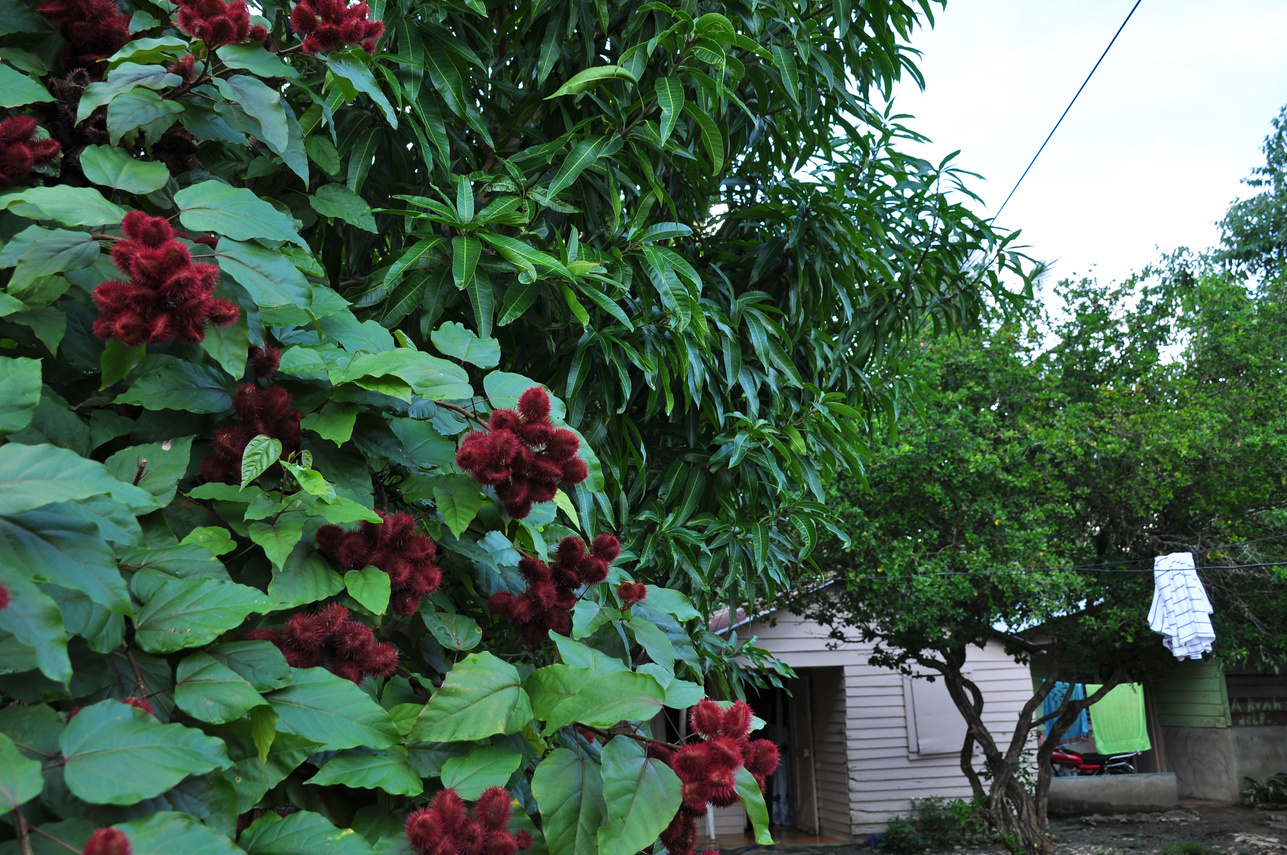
1080 728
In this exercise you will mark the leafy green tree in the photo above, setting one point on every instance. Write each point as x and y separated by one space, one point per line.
1253 233
297 549
1030 499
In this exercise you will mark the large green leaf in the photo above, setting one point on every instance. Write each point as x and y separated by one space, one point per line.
70 206
259 663
32 476
34 617
168 833
387 770
112 167
20 778
180 613
359 76
156 467
748 790
178 385
234 212
371 587
568 788
481 696
54 546
336 200
260 103
140 108
19 392
484 766
608 699
453 631
301 832
210 691
116 754
458 341
428 376
269 276
641 795
17 89
36 252
332 711
458 499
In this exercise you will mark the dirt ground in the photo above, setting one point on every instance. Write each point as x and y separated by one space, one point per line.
1230 829
1225 829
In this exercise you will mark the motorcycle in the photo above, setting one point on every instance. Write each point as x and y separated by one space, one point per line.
1067 763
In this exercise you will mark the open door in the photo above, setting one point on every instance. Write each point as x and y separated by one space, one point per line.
804 795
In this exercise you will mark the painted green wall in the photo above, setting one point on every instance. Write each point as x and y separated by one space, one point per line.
1195 696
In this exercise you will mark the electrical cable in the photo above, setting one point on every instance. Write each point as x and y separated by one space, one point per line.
1066 109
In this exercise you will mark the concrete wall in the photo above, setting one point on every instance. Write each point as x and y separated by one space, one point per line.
1210 762
1113 794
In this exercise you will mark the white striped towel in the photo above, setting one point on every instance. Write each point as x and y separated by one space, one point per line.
1181 610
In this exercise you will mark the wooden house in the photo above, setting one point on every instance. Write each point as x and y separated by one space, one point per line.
858 742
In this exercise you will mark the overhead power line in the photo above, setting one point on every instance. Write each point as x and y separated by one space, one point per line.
1066 109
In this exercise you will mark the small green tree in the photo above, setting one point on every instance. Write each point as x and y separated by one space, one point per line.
1029 502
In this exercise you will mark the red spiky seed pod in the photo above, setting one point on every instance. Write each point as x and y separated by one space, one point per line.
21 151
394 546
185 67
265 411
631 592
108 841
4 597
218 23
446 828
93 30
333 640
264 362
168 296
328 25
139 704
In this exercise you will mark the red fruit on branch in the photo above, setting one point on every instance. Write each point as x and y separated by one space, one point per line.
551 588
266 412
218 23
20 151
93 30
332 640
4 597
167 296
394 546
108 841
632 592
328 25
445 827
522 456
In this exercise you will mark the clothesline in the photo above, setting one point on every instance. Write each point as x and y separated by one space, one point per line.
1076 568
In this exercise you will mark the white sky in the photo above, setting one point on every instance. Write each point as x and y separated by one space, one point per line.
1154 149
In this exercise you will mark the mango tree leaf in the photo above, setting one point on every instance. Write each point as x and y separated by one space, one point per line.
170 832
20 778
301 832
332 711
387 770
583 155
360 77
583 80
670 97
371 587
109 166
234 212
482 696
484 766
210 691
568 789
458 341
641 795
32 476
55 546
70 206
116 754
182 613
19 392
336 200
454 632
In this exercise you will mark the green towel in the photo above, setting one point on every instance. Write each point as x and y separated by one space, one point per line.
1117 719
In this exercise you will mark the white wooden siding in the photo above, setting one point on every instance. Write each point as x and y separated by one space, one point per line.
883 775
